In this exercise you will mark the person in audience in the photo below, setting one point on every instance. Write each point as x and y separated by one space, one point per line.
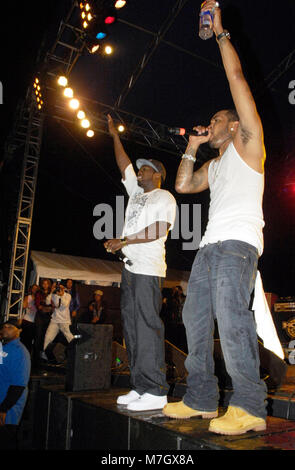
96 308
75 299
15 367
42 318
60 320
28 320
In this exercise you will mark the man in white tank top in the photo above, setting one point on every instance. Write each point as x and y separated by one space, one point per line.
224 271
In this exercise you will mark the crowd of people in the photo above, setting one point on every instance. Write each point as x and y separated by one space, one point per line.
52 308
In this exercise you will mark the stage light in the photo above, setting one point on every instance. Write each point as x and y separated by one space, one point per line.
120 4
80 114
85 24
108 50
37 93
110 16
121 128
101 35
62 81
90 133
85 123
74 103
92 45
68 92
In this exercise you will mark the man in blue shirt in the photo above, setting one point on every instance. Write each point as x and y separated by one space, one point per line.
15 367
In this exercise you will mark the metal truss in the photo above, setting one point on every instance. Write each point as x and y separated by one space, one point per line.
150 51
138 129
29 134
276 73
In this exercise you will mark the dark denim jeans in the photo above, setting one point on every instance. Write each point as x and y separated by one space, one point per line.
220 286
143 329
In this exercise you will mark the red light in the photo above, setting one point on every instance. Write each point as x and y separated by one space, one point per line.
109 19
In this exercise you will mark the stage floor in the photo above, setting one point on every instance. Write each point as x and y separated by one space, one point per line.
93 421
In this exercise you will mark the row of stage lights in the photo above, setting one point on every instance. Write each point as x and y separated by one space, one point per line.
38 95
95 17
75 105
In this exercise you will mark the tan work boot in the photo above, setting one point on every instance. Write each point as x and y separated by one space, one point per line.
179 410
236 421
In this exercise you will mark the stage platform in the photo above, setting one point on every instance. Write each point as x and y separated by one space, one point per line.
92 421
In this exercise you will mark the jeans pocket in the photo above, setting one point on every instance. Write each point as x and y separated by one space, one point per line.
234 253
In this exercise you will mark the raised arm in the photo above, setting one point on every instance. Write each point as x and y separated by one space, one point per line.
249 136
122 158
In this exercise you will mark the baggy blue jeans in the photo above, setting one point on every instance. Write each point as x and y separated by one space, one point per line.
220 286
143 329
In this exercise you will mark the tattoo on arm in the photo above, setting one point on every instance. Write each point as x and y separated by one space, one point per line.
199 178
189 181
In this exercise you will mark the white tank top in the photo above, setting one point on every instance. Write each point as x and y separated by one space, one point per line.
236 192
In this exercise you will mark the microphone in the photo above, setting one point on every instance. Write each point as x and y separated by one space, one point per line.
123 258
182 131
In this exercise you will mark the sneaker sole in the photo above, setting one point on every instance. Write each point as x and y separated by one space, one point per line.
260 427
205 415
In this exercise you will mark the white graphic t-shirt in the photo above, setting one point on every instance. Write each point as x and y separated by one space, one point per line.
143 210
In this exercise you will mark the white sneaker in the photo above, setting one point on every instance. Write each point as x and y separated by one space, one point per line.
128 398
147 401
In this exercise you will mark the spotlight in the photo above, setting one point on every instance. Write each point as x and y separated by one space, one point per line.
74 103
90 133
37 93
85 123
108 50
80 114
68 92
110 16
101 32
120 4
92 45
121 128
62 81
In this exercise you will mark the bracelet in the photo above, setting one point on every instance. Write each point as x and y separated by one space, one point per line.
189 157
123 241
224 34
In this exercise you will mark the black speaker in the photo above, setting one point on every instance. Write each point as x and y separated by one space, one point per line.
89 359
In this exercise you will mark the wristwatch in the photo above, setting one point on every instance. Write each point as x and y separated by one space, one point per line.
224 33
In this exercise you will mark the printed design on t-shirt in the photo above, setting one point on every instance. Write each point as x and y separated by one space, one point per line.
136 205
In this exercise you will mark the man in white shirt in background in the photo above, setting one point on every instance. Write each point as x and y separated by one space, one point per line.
150 214
60 319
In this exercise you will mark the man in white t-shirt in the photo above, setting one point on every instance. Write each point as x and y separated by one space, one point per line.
60 319
150 214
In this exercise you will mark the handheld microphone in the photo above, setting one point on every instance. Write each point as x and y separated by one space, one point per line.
123 258
182 131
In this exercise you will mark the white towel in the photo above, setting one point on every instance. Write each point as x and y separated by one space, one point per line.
265 327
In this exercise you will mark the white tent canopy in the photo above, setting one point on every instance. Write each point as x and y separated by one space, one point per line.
89 270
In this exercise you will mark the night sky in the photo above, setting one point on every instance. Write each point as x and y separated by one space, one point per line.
182 85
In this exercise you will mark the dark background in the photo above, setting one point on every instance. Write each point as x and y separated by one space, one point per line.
180 86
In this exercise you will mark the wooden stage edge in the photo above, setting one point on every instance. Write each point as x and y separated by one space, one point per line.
92 421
